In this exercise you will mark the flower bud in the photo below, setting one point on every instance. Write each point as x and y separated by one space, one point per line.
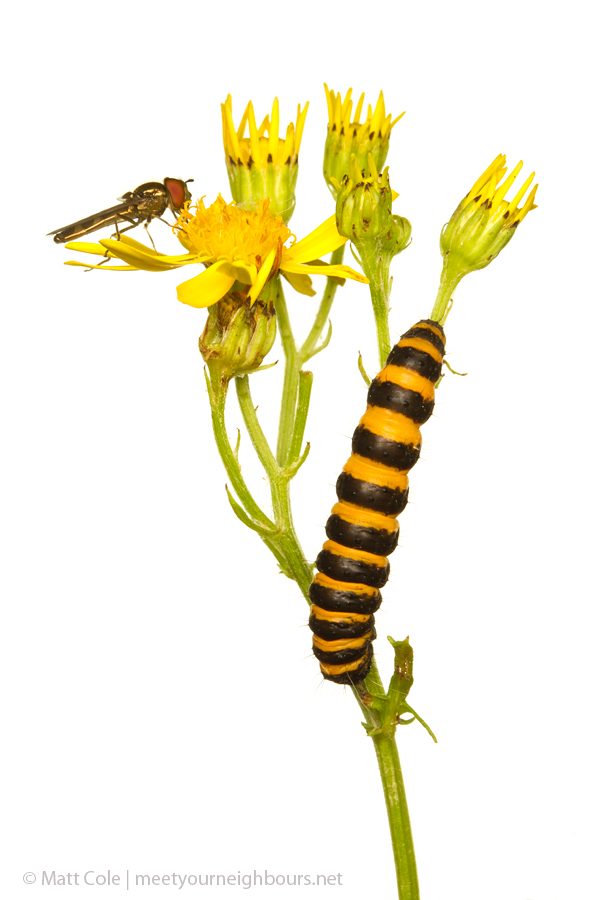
402 232
364 210
347 136
262 165
484 222
237 335
480 227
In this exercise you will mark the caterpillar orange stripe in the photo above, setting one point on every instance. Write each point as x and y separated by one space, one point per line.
372 492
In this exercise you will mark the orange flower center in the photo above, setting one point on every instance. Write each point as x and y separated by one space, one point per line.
224 231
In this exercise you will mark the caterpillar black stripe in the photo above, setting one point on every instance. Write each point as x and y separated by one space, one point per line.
372 492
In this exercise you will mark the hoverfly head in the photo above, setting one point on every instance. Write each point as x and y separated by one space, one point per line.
178 192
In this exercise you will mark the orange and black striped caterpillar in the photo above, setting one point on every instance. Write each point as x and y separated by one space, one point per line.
372 492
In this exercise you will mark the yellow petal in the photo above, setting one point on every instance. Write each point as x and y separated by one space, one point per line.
287 151
143 248
378 113
323 269
242 125
141 259
300 283
126 249
162 257
329 96
254 138
229 129
520 193
239 270
84 247
300 119
502 189
529 204
397 119
73 262
322 240
261 278
359 107
485 177
274 129
206 288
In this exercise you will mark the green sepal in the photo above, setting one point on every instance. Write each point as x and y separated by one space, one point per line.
264 368
251 183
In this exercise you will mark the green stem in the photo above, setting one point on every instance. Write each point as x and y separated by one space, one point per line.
287 549
290 545
398 817
448 281
295 358
290 379
308 347
286 541
377 270
218 397
392 783
257 435
376 267
304 392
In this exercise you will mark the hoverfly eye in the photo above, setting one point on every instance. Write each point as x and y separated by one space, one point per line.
177 190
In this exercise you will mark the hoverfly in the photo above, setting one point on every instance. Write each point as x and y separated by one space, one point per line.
148 201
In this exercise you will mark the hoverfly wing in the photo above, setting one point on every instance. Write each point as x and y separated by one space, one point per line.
121 212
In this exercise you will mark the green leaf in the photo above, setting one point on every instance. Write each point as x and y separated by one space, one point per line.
264 531
324 343
363 371
291 470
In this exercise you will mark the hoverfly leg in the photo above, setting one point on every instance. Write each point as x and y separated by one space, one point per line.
150 236
117 235
123 230
105 260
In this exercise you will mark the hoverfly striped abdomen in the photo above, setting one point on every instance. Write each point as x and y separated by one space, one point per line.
372 492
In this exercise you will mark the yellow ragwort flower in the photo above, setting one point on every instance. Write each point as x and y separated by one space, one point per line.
263 164
243 246
346 136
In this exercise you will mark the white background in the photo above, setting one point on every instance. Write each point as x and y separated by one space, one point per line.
163 711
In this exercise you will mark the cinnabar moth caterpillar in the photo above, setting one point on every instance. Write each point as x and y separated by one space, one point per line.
372 492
